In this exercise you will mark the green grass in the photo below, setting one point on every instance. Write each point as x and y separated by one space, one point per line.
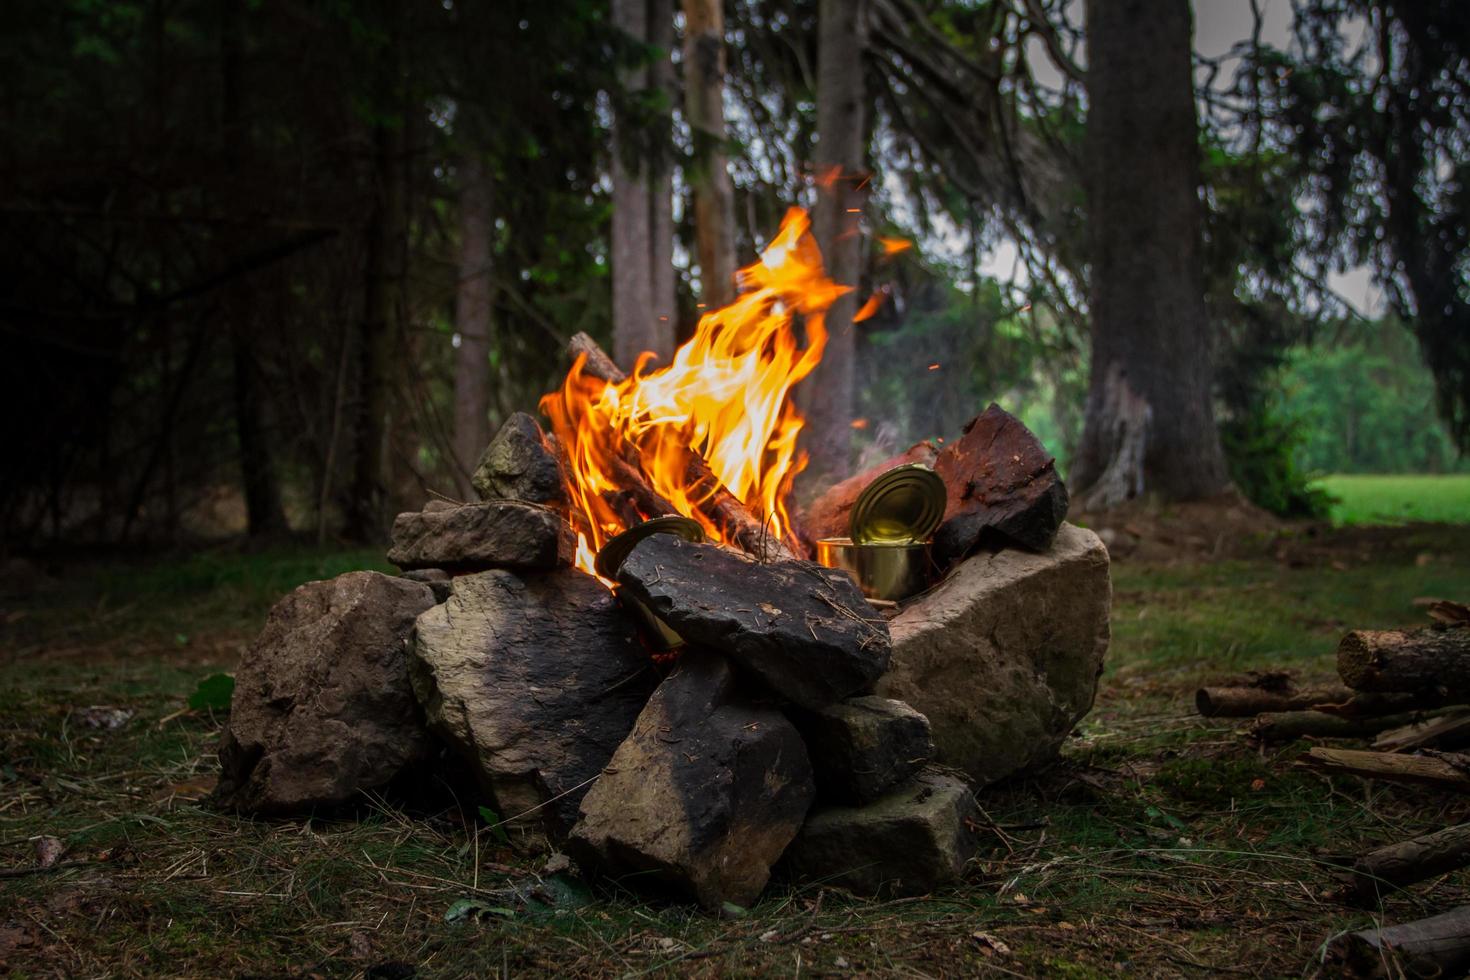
1163 845
1364 500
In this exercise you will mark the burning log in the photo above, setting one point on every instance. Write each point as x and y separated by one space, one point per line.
721 507
1407 660
1435 947
1442 770
1412 860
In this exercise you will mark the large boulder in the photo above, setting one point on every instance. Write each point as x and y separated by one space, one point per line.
916 839
705 794
323 707
534 681
1003 656
805 631
475 537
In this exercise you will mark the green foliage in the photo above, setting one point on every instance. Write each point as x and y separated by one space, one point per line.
1261 448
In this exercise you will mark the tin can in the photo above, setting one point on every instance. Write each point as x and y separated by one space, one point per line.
903 505
612 554
883 570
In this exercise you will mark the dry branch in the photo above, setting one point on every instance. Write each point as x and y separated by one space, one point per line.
1412 860
1442 770
1450 729
1284 726
1435 657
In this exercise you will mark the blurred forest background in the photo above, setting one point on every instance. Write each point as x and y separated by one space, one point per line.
281 266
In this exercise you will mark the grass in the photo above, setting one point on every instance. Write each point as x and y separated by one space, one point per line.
1162 845
1366 500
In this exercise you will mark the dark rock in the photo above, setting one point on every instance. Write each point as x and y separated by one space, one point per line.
805 631
534 682
999 478
830 514
519 464
704 795
323 707
437 579
864 747
910 842
1003 656
475 537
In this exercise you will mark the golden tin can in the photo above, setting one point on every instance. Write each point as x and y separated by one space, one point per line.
903 505
610 558
884 570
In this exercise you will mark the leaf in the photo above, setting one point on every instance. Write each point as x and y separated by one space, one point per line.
472 909
493 819
213 693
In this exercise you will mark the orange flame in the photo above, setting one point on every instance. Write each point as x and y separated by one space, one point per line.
723 397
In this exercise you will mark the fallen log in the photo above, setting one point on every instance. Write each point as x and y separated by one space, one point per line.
1437 946
1362 705
1442 770
722 508
1434 657
1246 701
1284 726
1379 872
1451 729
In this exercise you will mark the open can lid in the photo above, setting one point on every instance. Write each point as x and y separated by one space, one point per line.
904 504
610 556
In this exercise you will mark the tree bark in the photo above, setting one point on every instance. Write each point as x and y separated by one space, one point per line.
1430 658
1150 427
841 162
1412 860
665 310
473 321
709 178
1435 947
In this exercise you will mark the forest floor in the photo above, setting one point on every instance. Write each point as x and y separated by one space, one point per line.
1162 845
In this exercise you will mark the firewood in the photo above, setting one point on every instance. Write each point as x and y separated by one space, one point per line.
1284 726
1415 859
1365 704
1406 660
1243 702
1437 946
1441 770
1450 729
723 509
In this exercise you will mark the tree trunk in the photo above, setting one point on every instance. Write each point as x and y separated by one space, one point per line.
1434 657
841 162
472 314
709 177
1150 426
661 187
634 321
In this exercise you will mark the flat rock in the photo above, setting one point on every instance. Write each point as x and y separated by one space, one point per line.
805 631
520 464
999 479
1003 656
916 839
323 708
830 515
863 747
705 794
476 537
535 682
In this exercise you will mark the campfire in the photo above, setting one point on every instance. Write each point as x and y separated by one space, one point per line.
628 644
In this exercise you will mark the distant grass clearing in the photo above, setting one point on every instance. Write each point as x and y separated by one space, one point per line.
1399 499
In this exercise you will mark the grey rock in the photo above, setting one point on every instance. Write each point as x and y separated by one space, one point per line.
323 707
535 682
519 464
804 631
910 842
863 747
1003 656
476 537
437 579
704 795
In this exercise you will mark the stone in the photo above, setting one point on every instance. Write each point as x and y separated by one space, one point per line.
910 842
863 747
1003 655
705 794
804 631
1000 480
830 514
437 579
323 708
535 682
520 464
476 537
